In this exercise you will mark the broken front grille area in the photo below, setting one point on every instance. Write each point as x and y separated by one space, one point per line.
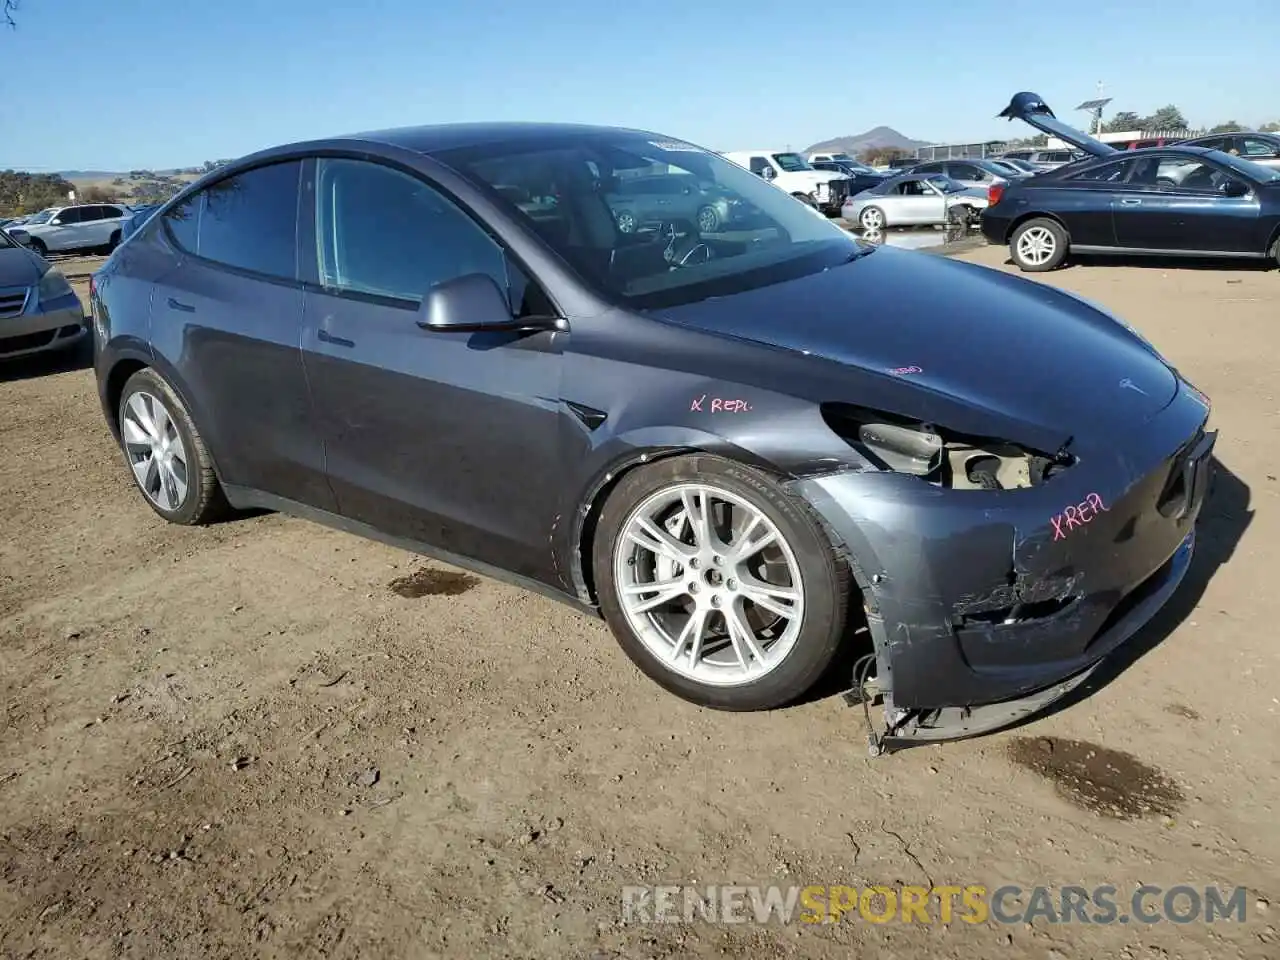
13 300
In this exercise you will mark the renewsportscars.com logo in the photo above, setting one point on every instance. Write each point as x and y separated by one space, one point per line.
972 904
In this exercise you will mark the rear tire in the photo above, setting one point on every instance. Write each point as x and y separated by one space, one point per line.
165 454
871 219
696 656
1039 245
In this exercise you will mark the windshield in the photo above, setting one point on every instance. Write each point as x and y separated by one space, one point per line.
843 158
792 162
1254 171
44 216
735 233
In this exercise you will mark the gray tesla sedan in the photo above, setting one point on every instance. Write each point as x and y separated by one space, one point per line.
38 309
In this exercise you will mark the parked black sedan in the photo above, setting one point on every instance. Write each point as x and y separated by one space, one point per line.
1168 201
861 177
733 447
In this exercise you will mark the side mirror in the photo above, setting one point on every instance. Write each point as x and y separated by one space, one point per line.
1234 188
768 173
473 303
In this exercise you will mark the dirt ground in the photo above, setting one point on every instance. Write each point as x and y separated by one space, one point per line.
269 739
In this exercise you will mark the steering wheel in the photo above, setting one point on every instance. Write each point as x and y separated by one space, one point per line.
683 248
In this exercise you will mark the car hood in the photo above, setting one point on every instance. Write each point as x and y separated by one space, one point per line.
1031 109
964 346
20 268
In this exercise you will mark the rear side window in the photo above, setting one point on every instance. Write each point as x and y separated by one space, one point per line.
383 232
1107 173
250 220
183 223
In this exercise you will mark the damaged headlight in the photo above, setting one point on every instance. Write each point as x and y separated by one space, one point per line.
52 286
939 456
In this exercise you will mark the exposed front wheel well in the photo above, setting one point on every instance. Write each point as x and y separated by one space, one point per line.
587 533
1273 246
1033 216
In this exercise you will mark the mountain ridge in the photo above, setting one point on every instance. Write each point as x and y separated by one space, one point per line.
877 138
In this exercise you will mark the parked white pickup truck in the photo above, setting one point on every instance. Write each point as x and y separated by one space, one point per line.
791 172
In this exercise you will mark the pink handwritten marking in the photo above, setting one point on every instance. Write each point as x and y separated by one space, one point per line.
720 405
905 371
1077 515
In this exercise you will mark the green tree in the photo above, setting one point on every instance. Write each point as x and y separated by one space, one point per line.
1123 121
1272 127
1166 118
1229 127
22 192
881 155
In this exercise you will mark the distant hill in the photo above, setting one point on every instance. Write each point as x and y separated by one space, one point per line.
878 138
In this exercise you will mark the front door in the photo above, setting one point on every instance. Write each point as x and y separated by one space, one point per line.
1181 204
918 202
450 439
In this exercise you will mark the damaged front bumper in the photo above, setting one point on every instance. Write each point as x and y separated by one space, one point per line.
985 606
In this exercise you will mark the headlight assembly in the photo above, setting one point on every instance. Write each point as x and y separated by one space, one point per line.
939 456
52 286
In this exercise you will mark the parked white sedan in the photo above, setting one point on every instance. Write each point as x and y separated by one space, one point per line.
914 199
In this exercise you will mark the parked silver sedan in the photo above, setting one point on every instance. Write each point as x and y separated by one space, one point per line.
914 199
38 309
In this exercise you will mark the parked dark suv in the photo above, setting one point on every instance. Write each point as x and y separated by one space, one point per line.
733 446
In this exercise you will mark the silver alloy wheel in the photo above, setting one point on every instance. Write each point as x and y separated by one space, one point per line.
871 219
155 451
709 584
626 222
708 220
1036 246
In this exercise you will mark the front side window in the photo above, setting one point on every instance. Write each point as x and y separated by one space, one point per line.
1255 147
763 236
1183 173
250 220
790 162
384 233
964 171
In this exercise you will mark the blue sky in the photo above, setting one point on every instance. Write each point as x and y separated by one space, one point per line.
119 84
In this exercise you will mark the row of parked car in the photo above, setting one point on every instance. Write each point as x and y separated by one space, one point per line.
1213 196
78 227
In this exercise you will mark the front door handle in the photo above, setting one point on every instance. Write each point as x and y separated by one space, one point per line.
1130 201
326 337
179 305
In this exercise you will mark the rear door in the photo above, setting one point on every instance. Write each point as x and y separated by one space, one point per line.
228 319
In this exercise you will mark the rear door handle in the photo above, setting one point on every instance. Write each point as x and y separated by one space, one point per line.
326 337
178 305
1130 201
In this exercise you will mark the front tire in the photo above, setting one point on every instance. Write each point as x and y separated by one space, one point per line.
165 453
717 584
1039 245
708 219
38 246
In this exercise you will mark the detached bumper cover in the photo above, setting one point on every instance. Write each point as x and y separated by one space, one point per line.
987 597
